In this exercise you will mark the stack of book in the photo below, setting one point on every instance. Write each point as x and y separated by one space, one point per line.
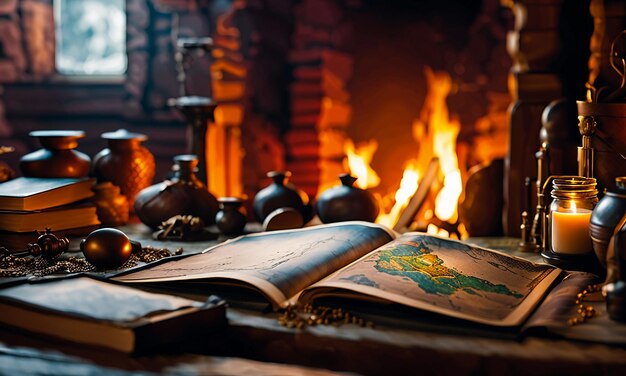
28 205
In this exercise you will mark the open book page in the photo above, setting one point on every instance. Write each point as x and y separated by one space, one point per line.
444 276
560 305
280 264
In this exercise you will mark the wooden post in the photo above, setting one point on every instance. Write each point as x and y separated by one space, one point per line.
534 45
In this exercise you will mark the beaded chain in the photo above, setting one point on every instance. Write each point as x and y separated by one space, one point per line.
584 312
299 317
12 266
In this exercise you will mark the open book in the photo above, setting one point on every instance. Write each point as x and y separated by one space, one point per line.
364 261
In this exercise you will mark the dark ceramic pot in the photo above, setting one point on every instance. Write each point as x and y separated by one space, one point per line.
279 195
182 194
231 219
125 163
57 159
347 203
605 217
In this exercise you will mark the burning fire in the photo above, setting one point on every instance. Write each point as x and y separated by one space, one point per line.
436 133
359 159
408 187
444 131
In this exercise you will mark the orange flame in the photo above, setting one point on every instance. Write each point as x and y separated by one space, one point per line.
443 131
359 159
408 187
436 133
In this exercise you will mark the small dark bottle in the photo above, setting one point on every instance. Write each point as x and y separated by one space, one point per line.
231 219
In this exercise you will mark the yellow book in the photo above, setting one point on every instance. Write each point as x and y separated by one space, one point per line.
57 218
27 194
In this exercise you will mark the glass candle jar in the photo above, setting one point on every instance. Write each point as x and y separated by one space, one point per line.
573 200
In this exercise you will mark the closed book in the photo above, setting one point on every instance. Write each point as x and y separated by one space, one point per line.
57 218
88 311
17 241
40 193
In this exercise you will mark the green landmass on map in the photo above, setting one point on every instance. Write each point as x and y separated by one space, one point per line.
417 262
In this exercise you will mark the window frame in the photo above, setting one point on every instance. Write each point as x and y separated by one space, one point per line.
103 78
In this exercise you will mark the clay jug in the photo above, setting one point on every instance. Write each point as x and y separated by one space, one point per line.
605 217
279 195
182 194
57 159
125 163
347 203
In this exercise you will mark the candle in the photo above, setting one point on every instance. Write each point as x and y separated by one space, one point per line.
570 231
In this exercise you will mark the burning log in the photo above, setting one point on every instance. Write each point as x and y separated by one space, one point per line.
417 200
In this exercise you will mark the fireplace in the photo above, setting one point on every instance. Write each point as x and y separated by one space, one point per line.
302 85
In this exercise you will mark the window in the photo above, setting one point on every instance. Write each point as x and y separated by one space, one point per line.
90 37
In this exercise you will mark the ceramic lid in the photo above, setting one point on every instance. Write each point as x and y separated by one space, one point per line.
123 134
57 133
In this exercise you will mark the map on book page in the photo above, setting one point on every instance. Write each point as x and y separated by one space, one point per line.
448 277
280 264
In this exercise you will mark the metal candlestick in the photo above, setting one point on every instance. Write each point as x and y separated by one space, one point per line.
587 127
198 111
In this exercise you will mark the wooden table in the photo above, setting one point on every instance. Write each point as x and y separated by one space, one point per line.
345 348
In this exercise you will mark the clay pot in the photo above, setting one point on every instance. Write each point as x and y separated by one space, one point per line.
281 195
231 219
347 203
125 163
182 194
111 206
57 159
605 217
